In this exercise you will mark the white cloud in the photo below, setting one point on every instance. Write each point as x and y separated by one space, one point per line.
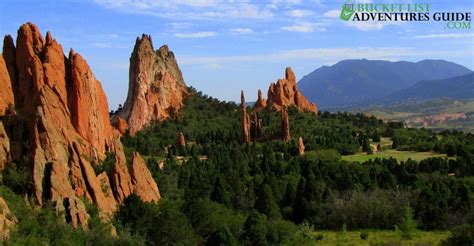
190 9
335 13
241 30
328 54
304 27
299 13
195 35
445 35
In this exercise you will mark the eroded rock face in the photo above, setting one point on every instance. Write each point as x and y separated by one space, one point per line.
88 105
181 140
7 220
121 125
300 146
4 147
245 121
62 128
6 91
156 86
143 183
285 93
285 125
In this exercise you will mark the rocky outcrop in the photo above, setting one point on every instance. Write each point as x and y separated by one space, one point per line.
260 103
9 55
256 129
4 147
285 93
156 86
121 125
143 183
181 140
7 220
300 146
62 129
88 105
6 91
244 121
285 125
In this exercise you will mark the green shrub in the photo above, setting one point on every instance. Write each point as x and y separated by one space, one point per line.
460 235
408 226
364 235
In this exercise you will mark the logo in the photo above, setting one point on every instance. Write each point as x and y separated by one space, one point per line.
347 11
403 12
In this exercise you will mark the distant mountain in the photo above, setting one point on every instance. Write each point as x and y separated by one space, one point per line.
353 81
460 87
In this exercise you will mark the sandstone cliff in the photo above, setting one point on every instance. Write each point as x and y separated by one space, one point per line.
156 86
62 129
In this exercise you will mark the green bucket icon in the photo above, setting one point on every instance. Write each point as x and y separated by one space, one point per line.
347 11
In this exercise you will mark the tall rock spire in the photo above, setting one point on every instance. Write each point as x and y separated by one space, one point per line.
156 86
245 121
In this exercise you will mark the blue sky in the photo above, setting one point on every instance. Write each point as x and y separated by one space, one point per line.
225 46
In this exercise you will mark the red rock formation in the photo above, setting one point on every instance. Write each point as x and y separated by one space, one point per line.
6 91
121 125
4 147
245 121
181 140
156 86
121 178
260 103
300 146
88 105
30 79
63 115
285 125
9 57
143 183
256 129
7 220
285 93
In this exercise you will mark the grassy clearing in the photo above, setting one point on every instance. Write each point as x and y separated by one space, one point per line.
399 155
379 238
388 152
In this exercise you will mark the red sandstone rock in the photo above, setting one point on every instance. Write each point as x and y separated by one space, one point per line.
181 140
88 105
156 87
29 46
4 147
64 116
121 125
6 91
245 121
143 183
285 93
121 178
300 146
9 57
260 103
7 220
